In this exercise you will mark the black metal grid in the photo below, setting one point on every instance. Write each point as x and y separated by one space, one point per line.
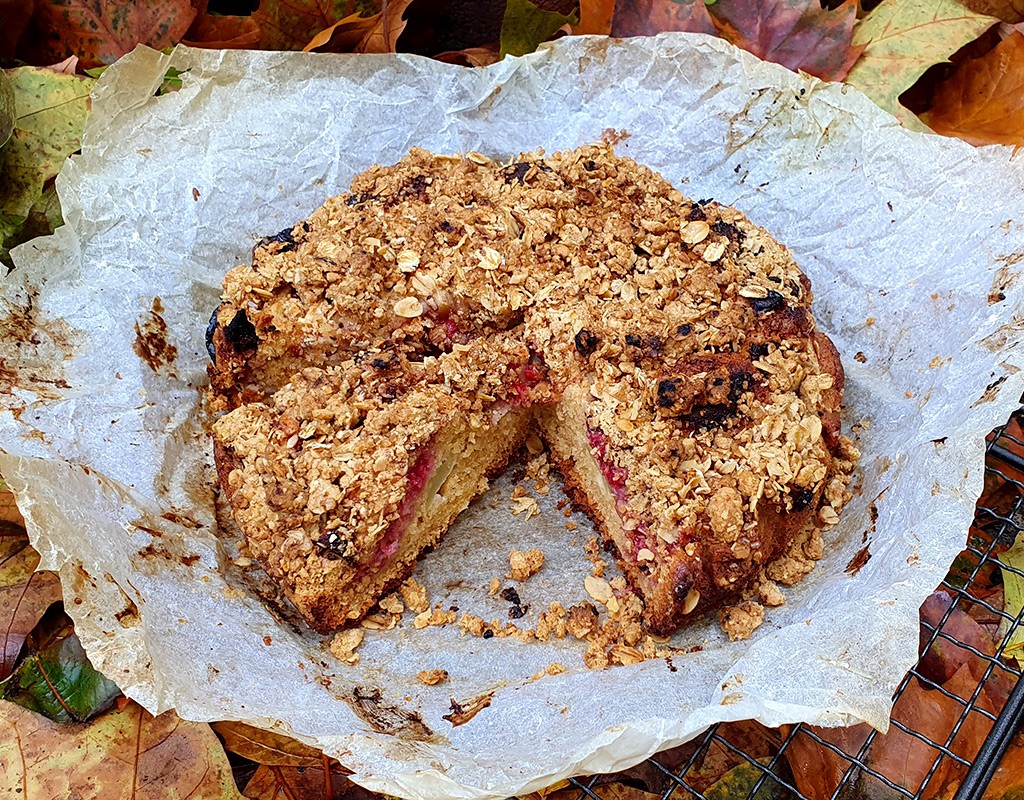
995 525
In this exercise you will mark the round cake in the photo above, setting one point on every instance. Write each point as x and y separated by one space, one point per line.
378 362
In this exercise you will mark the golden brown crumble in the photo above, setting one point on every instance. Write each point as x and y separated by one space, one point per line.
343 645
447 289
741 620
524 564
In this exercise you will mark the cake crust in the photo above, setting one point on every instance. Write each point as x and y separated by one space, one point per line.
667 347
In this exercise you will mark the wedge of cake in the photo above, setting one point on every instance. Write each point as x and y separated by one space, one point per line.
377 362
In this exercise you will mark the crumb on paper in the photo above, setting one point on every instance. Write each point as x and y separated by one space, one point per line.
525 564
495 587
432 677
554 668
581 620
415 596
379 622
527 505
741 620
598 588
570 525
344 644
435 618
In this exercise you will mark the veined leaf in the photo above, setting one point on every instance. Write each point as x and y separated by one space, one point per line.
266 747
983 101
126 754
25 595
56 679
901 39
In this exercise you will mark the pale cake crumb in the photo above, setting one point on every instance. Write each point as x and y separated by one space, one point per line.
525 564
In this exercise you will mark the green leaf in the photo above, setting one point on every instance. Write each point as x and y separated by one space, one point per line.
1013 596
50 112
6 109
738 781
902 38
57 680
525 26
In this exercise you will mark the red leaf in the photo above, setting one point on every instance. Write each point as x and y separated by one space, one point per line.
818 770
101 31
14 16
24 597
795 33
291 24
983 101
648 17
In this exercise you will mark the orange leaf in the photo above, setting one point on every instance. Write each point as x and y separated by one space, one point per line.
983 101
24 597
291 24
595 17
383 37
8 508
343 36
101 31
795 33
648 17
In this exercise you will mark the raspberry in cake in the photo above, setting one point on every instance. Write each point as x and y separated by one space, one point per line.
378 361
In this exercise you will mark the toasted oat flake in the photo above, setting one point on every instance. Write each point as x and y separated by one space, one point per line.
409 307
490 259
695 232
598 588
714 251
408 260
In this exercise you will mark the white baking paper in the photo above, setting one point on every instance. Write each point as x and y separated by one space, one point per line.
913 243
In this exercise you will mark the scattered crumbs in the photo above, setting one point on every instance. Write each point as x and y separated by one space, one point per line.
266 639
570 525
860 358
432 677
243 562
380 621
392 604
495 587
554 668
437 618
344 644
598 588
414 594
525 564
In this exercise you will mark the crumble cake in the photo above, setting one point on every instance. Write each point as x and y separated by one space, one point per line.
378 361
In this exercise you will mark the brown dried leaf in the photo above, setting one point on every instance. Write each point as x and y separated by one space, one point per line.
304 783
266 747
798 34
24 597
125 754
383 36
343 36
9 509
101 31
471 56
983 101
648 17
291 24
219 32
1011 11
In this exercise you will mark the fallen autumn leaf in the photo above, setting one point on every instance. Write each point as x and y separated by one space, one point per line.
24 595
983 103
798 34
125 754
901 39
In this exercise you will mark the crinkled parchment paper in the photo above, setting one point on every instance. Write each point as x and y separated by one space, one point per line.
913 243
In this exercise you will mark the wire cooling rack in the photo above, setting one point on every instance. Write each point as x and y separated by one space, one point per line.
996 524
